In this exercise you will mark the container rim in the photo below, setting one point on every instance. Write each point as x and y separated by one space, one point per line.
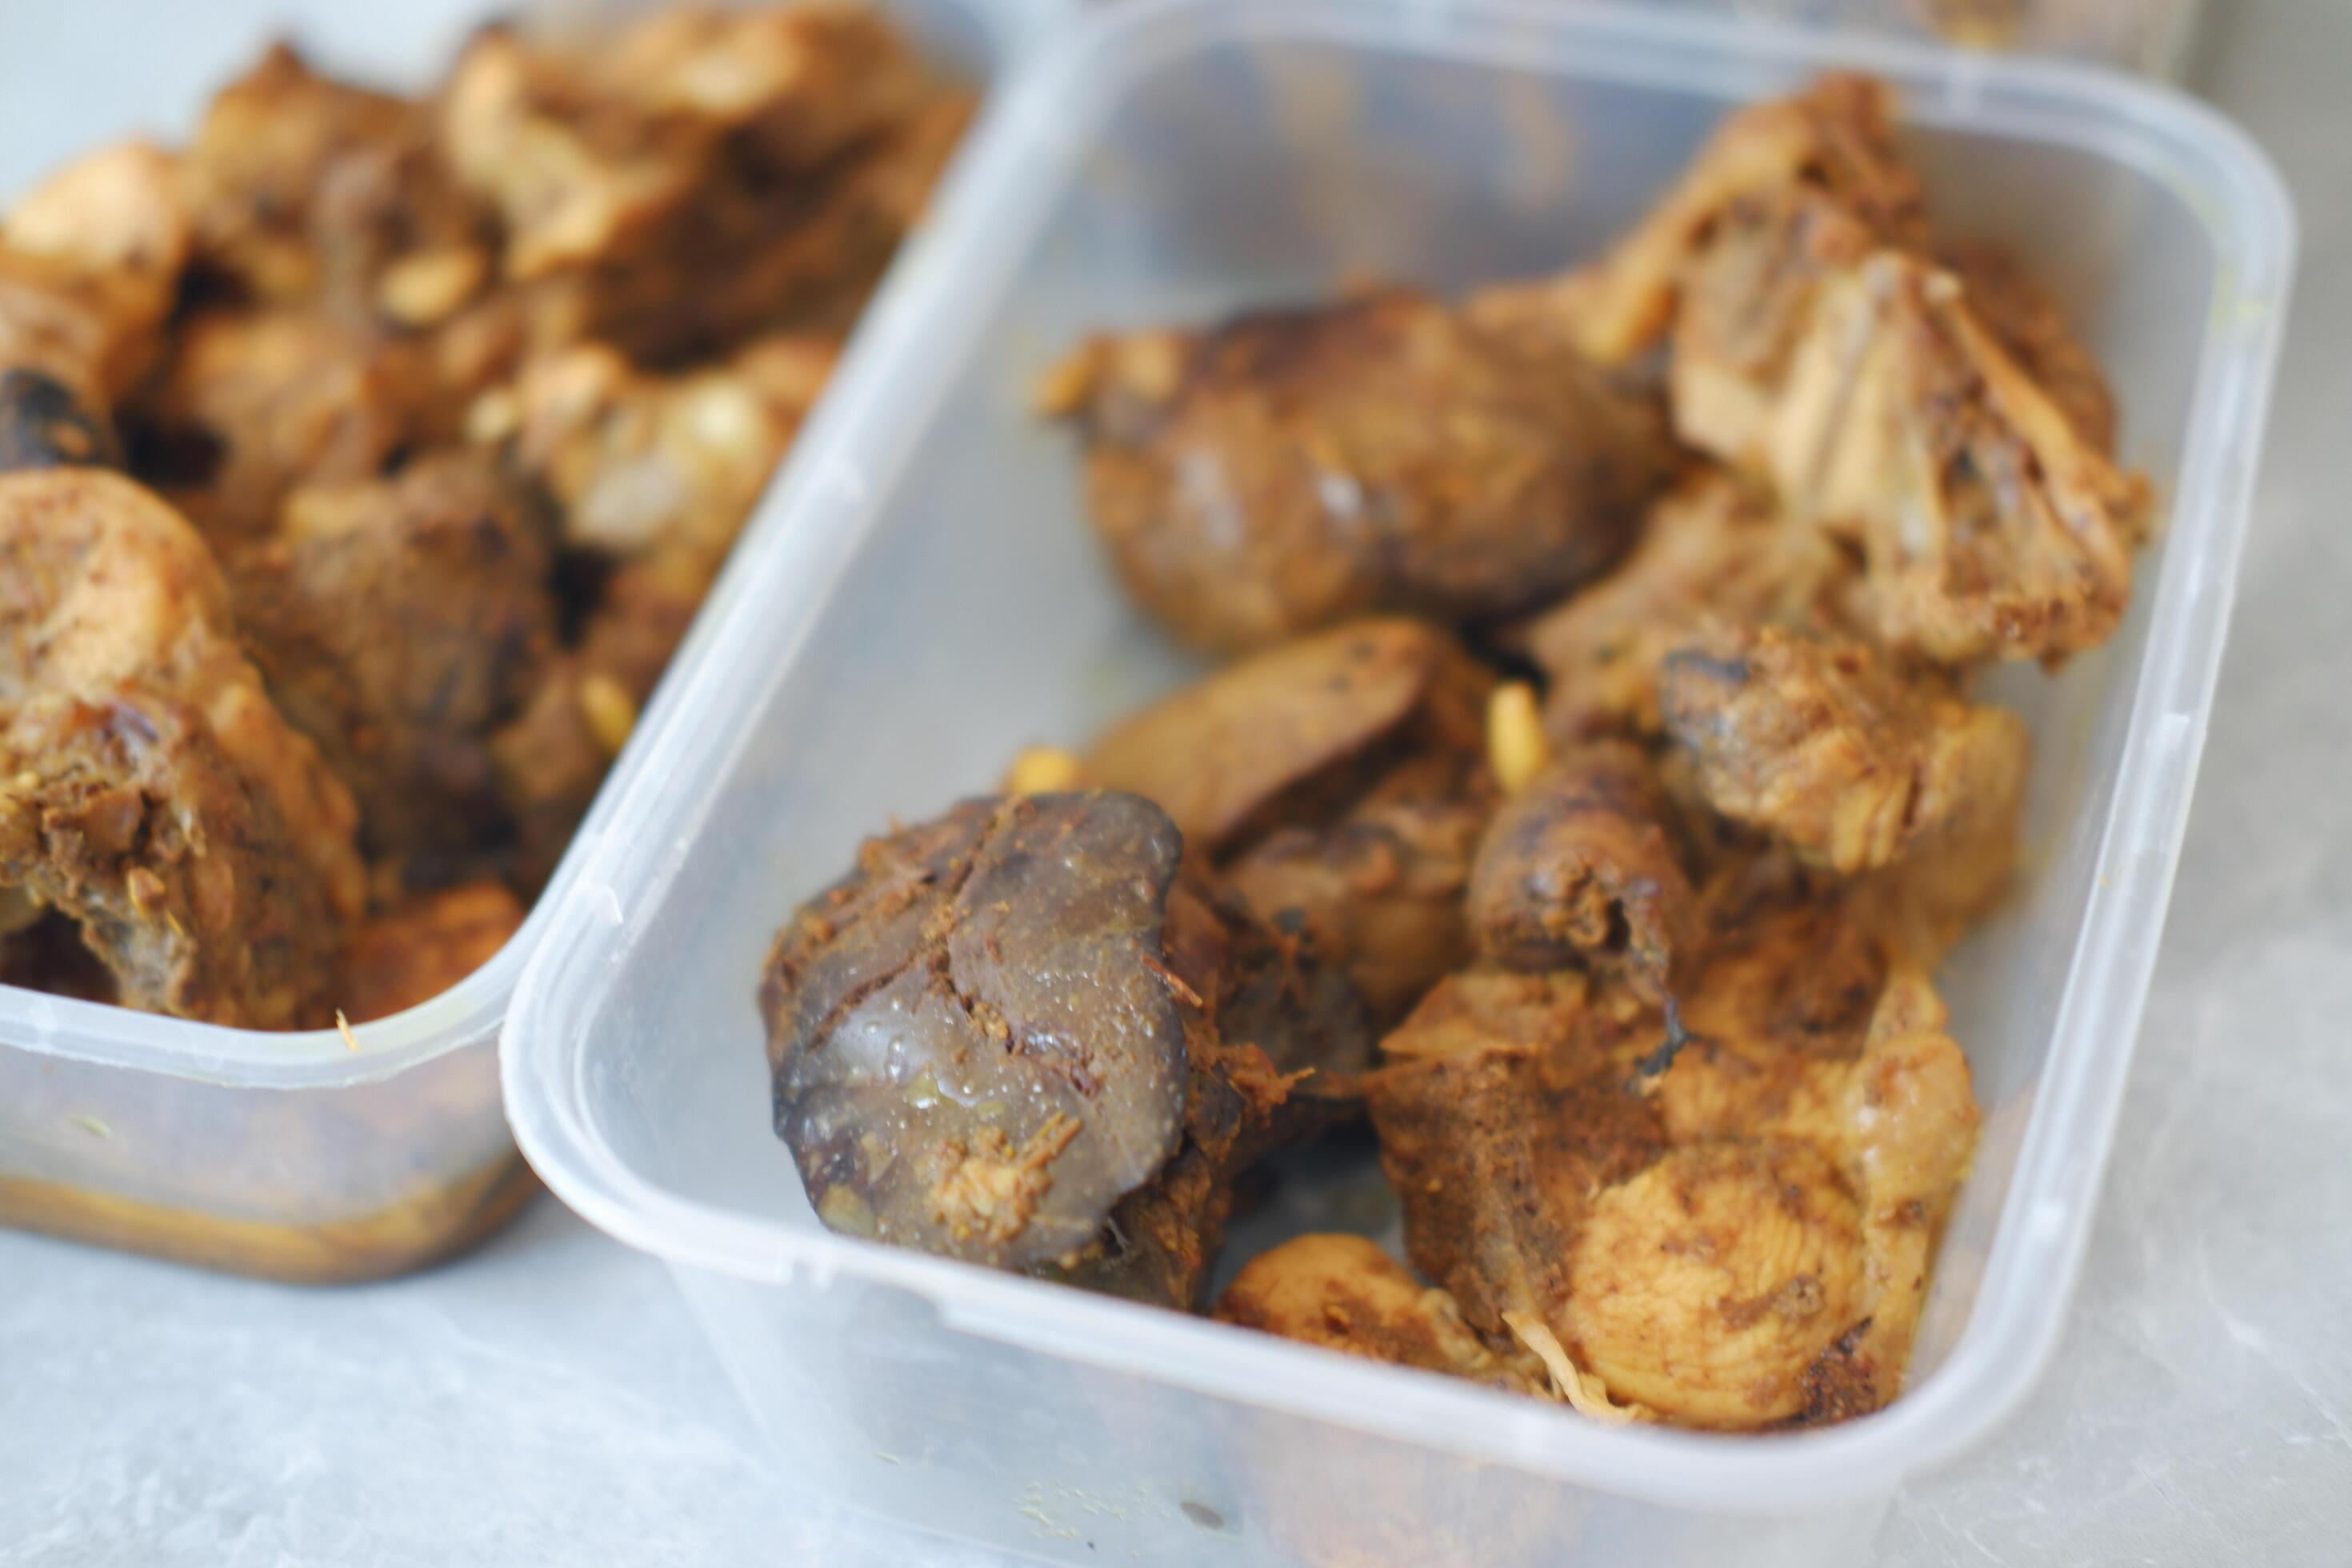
1015 163
102 1034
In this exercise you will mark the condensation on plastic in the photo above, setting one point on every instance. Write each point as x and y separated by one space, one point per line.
925 597
297 1155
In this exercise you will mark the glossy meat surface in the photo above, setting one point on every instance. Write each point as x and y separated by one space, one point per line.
1289 469
975 1046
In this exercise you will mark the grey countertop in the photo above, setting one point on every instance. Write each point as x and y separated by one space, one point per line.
2200 1410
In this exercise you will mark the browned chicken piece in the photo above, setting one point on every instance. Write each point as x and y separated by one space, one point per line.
307 189
1337 784
2012 304
1837 138
660 472
267 149
151 793
1835 749
998 1038
399 622
1861 384
553 756
1345 1294
588 149
762 252
88 264
1749 298
422 946
1582 868
641 462
1991 528
1378 888
1726 1228
1288 469
1713 550
1816 347
252 403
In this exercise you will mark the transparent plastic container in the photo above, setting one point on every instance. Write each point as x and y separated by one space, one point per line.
923 598
2152 37
296 1155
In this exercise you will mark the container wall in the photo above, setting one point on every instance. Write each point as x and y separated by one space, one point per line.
975 615
315 1178
2150 35
316 1186
875 1404
932 600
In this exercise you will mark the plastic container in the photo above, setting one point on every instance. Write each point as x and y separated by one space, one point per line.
295 1156
923 598
2152 37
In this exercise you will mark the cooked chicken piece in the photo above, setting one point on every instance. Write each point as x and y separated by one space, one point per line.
999 1038
1836 138
570 177
1835 749
89 263
758 252
1308 1016
1345 1294
1581 869
660 472
1378 886
1726 1228
1924 903
267 149
1897 1120
799 84
1712 551
1860 382
309 190
253 403
1817 348
1338 784
1989 527
399 622
1288 469
1749 298
588 150
414 951
2020 313
640 461
553 756
151 793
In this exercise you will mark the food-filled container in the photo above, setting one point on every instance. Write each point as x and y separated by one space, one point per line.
305 1156
923 598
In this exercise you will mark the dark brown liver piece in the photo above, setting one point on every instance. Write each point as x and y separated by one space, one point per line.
977 1045
1288 469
